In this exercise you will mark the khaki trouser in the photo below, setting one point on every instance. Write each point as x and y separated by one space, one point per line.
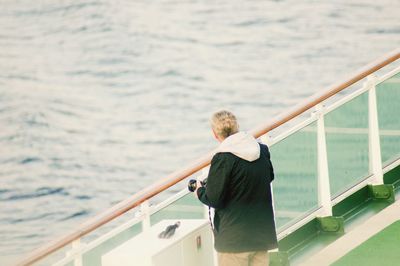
259 258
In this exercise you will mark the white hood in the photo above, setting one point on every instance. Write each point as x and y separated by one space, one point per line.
242 145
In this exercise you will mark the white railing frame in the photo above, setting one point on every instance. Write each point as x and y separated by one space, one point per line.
145 210
388 75
324 190
74 254
270 141
76 245
375 159
371 179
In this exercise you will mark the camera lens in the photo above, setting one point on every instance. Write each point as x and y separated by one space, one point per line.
192 185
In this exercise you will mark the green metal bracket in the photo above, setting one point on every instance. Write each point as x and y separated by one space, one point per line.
331 224
393 177
280 258
382 192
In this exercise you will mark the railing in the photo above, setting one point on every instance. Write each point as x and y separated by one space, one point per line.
320 126
345 142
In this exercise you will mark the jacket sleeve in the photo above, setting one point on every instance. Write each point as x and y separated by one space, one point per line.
270 163
271 167
213 194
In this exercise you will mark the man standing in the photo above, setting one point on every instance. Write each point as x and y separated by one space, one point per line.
239 190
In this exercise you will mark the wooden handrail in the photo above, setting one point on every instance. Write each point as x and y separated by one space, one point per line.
202 162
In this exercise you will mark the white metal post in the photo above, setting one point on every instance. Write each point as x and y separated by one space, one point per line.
375 159
76 245
145 210
324 191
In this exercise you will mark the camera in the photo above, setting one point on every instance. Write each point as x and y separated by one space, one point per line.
192 185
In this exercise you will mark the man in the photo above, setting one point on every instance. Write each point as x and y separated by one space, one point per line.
239 190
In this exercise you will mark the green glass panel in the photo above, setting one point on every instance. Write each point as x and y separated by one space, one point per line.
93 256
347 144
295 166
187 207
388 101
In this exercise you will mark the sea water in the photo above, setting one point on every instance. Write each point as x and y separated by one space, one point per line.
98 99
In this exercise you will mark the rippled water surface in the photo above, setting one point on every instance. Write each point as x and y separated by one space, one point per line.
99 99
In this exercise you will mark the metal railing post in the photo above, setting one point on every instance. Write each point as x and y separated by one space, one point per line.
145 210
375 159
324 191
76 245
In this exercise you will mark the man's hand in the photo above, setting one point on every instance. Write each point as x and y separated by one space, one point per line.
198 185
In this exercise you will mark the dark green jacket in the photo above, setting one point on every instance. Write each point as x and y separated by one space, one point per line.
240 192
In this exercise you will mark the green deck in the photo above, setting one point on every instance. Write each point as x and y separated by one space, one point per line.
381 249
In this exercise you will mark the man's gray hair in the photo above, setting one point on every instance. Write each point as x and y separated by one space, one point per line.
224 123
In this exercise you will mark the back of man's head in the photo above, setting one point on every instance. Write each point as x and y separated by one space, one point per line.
224 124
